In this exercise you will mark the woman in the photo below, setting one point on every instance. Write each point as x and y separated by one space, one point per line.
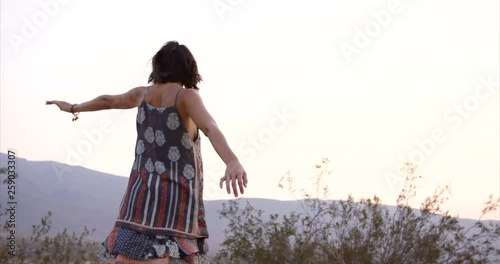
161 217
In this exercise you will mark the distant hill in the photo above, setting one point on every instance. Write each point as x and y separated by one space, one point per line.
85 197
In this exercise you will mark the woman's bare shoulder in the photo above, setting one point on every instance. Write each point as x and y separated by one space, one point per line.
188 94
190 99
135 95
138 91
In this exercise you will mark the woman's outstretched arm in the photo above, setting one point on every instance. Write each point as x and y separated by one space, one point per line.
127 100
235 175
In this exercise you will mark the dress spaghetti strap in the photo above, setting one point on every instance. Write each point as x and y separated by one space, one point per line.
176 96
146 92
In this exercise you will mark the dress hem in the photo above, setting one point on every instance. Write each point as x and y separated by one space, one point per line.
157 230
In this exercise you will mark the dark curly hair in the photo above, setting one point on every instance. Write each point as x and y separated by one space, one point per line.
175 63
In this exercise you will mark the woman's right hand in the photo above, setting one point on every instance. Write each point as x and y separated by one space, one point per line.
63 106
235 174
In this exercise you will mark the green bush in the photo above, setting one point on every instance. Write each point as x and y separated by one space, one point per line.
366 231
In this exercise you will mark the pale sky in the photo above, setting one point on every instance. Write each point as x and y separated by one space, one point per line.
289 83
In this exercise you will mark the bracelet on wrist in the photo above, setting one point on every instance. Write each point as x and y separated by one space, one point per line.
75 115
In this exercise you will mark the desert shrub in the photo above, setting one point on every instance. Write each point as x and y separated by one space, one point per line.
363 231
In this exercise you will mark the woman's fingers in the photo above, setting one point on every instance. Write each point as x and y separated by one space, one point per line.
63 106
233 184
58 103
245 180
228 186
241 183
53 102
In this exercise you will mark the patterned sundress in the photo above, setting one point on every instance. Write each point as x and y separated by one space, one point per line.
162 212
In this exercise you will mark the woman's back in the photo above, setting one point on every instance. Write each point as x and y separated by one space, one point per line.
167 96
